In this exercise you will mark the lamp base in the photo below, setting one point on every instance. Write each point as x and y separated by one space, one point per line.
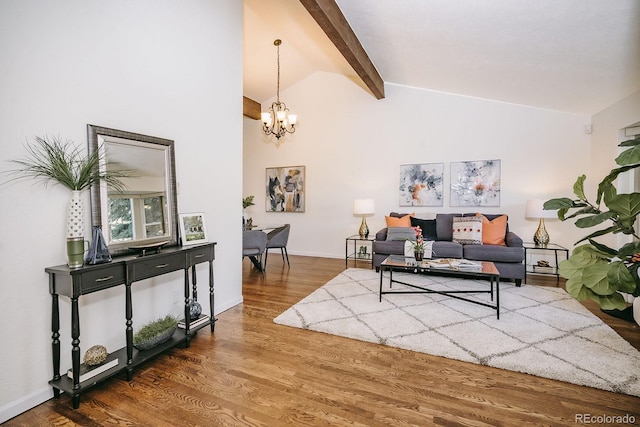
364 229
541 237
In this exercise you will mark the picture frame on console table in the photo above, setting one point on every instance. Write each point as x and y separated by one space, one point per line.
475 183
285 189
421 184
193 228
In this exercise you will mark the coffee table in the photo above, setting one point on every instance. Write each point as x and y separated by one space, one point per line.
484 271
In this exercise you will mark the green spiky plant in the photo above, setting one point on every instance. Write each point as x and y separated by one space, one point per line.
595 270
54 160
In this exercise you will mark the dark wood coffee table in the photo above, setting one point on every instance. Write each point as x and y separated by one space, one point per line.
487 271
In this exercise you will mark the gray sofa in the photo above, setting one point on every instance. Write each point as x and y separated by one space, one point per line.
507 259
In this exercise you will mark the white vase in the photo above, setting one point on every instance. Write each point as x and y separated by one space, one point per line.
75 216
636 310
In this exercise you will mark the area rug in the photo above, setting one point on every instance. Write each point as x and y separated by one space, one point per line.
541 331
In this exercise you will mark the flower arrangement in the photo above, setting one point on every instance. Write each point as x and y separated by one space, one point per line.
418 245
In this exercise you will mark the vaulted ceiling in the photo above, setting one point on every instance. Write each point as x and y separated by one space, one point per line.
570 55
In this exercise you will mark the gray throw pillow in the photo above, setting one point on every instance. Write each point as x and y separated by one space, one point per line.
401 233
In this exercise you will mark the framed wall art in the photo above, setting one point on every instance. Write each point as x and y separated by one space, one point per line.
475 183
285 189
421 184
193 229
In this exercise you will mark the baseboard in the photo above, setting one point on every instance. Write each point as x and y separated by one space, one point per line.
17 407
228 304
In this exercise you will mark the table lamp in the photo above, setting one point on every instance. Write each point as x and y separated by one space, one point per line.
363 207
535 210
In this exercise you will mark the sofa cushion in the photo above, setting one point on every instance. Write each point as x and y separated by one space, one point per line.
442 249
493 253
401 233
467 230
428 227
494 231
393 221
444 226
388 247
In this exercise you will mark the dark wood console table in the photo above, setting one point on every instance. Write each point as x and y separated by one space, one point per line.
123 270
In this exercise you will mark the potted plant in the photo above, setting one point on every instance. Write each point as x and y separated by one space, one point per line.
595 270
154 333
246 202
418 245
54 160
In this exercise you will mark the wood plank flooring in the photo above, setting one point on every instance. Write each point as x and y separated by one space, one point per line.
252 372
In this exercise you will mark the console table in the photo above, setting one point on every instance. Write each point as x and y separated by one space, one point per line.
123 270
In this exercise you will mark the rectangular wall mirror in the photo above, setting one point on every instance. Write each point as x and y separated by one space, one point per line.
146 213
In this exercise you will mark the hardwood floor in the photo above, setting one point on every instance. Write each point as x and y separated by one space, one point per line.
254 372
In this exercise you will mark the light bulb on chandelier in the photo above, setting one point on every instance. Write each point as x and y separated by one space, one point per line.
278 121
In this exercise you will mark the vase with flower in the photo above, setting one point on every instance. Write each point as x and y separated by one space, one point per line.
418 245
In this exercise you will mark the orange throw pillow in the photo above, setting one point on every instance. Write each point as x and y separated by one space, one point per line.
493 232
405 221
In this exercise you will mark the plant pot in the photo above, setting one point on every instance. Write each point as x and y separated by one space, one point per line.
418 255
636 310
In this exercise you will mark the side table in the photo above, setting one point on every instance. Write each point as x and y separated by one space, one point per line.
534 268
358 248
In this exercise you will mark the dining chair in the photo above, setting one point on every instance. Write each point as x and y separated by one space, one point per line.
278 239
254 244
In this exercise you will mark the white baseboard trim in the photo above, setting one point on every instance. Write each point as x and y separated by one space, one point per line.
25 403
227 305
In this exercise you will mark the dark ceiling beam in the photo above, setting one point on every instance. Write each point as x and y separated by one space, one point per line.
250 108
330 18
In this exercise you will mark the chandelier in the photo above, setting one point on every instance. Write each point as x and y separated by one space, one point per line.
277 121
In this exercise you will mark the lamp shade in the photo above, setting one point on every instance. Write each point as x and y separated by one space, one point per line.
535 210
363 207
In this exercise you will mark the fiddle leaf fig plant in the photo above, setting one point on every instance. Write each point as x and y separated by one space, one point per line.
595 270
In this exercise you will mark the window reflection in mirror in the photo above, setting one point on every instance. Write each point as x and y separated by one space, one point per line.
140 212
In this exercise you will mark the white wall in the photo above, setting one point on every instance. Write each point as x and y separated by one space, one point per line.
162 68
352 146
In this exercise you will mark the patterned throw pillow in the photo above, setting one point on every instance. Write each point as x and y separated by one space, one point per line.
467 230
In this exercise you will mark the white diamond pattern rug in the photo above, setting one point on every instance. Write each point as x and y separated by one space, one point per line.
541 331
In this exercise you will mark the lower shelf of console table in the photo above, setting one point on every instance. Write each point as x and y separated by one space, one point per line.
179 338
122 271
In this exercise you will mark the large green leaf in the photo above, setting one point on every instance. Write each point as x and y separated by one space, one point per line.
595 278
627 206
578 187
629 249
594 220
555 204
610 302
604 248
629 156
586 210
576 289
607 181
630 142
597 233
620 278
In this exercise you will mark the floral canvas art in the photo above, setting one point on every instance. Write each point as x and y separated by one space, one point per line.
475 183
421 184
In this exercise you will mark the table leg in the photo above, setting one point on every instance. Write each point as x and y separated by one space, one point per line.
55 340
